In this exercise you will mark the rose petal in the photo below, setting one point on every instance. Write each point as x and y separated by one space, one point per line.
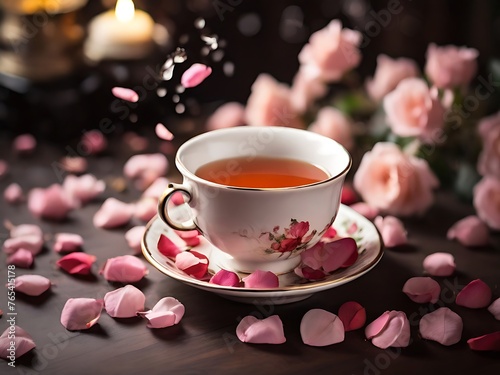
321 328
331 256
124 269
113 213
195 75
330 233
81 313
32 285
93 142
366 210
125 94
124 302
442 325
77 263
84 188
375 327
167 312
135 142
24 144
50 203
227 115
265 331
353 315
225 278
192 263
13 194
470 231
261 279
439 264
134 238
67 242
4 168
392 231
23 342
178 199
489 342
74 164
494 308
167 247
145 169
309 273
422 289
21 258
474 295
392 328
348 196
146 209
163 133
156 189
24 236
190 237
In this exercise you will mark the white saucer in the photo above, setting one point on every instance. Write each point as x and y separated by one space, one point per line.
292 288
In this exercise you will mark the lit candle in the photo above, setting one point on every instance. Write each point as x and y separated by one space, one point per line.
123 33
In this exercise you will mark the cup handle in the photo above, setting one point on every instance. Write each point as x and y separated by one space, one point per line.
163 207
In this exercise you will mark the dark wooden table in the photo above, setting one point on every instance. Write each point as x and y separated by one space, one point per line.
205 341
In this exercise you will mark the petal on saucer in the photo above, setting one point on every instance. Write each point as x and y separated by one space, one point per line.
265 331
77 263
366 210
261 279
353 315
113 213
23 342
162 132
124 302
21 258
225 278
134 238
195 75
348 195
81 313
330 233
439 264
392 230
489 342
309 273
475 295
396 332
167 247
470 231
422 289
32 285
375 327
441 325
124 269
67 242
321 328
167 312
190 237
494 308
126 94
337 254
193 263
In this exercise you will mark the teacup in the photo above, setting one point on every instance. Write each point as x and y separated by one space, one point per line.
258 228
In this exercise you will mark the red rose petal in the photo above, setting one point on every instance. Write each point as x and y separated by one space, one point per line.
309 273
225 278
190 237
167 247
489 342
192 263
474 295
77 263
353 315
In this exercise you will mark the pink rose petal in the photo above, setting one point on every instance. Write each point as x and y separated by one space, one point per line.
81 313
13 194
125 94
321 328
261 279
348 196
192 263
178 199
227 115
309 273
124 302
77 263
21 258
24 144
474 295
353 315
113 213
442 325
23 343
4 168
330 233
24 236
392 328
225 278
375 327
439 264
195 75
74 164
124 269
265 331
489 342
144 169
190 237
93 142
146 209
470 231
134 238
156 189
392 231
331 256
166 313
494 308
422 289
163 133
366 210
50 203
32 285
68 242
83 189
167 247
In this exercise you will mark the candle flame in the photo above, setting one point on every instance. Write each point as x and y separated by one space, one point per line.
125 10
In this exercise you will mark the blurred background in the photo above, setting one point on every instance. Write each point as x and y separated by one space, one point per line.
50 88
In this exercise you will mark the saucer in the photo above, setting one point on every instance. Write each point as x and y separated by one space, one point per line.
291 288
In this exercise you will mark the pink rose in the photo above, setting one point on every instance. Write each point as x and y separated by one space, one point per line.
333 124
414 110
331 52
388 74
489 159
394 182
487 201
306 89
270 104
449 67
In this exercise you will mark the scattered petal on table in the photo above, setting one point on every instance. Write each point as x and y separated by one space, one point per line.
84 188
225 278
422 289
124 269
25 236
391 329
77 263
163 133
126 94
265 331
21 258
156 189
474 295
134 238
113 213
353 315
470 231
124 302
93 142
439 264
442 325
68 242
32 285
74 164
494 308
23 342
50 203
24 144
195 75
13 194
4 168
366 210
193 263
167 247
146 209
81 313
167 312
145 169
261 279
190 237
321 328
392 230
489 342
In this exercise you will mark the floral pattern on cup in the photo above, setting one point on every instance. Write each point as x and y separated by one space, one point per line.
291 239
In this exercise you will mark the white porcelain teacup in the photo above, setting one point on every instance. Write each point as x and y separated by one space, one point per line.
259 228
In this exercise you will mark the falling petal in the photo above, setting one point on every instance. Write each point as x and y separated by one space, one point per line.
265 331
93 142
353 315
392 230
442 325
24 144
84 188
439 264
422 289
195 75
321 328
23 342
225 278
144 169
113 213
146 209
261 279
134 238
125 94
192 263
391 329
470 231
163 133
32 285
190 237
67 242
366 210
124 302
475 295
167 312
167 247
21 258
489 342
124 269
13 194
50 203
494 308
81 313
77 263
